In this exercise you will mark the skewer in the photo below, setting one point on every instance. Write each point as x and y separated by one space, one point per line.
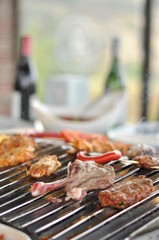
128 161
155 167
135 162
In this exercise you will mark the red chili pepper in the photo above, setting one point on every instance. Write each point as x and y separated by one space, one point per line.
103 158
44 134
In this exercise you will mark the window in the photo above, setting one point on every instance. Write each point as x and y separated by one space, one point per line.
61 45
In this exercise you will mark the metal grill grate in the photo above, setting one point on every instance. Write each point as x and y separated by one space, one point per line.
41 219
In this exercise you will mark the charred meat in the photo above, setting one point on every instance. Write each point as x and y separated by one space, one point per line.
81 177
125 194
44 167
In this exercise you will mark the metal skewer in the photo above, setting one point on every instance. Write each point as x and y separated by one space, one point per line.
135 162
128 161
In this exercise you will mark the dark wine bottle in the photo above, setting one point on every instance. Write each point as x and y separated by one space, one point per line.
115 78
25 82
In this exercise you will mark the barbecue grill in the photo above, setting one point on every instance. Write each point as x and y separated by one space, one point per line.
85 219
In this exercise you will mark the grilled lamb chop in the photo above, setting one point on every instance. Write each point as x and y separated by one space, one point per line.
81 177
125 194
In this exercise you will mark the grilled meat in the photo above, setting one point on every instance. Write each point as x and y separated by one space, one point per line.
81 177
44 167
96 145
147 161
145 156
1 235
16 149
2 137
141 149
17 140
88 176
81 144
125 194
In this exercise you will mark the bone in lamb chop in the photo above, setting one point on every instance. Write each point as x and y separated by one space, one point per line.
81 177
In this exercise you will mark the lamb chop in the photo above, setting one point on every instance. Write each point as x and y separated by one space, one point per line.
81 177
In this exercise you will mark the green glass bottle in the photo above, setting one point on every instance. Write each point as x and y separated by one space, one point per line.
115 79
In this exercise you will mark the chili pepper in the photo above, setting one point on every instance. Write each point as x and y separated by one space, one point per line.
103 158
44 134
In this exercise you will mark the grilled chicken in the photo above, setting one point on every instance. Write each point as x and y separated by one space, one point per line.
81 177
125 194
16 149
96 145
44 167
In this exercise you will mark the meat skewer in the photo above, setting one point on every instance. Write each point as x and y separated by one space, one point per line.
143 162
81 177
147 161
140 150
125 194
143 156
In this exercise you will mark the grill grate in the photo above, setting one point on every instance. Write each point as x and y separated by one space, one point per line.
41 219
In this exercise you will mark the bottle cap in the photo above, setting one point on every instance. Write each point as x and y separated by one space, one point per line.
25 45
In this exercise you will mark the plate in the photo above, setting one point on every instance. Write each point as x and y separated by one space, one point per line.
12 233
142 133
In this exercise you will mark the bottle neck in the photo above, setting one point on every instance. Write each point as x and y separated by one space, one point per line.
115 49
114 80
25 46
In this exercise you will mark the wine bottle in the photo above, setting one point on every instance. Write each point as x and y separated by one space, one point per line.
115 78
25 82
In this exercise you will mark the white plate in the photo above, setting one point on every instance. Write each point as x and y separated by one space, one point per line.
142 133
12 233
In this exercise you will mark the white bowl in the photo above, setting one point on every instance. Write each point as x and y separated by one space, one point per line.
99 117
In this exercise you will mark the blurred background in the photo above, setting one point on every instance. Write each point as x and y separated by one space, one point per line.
74 38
